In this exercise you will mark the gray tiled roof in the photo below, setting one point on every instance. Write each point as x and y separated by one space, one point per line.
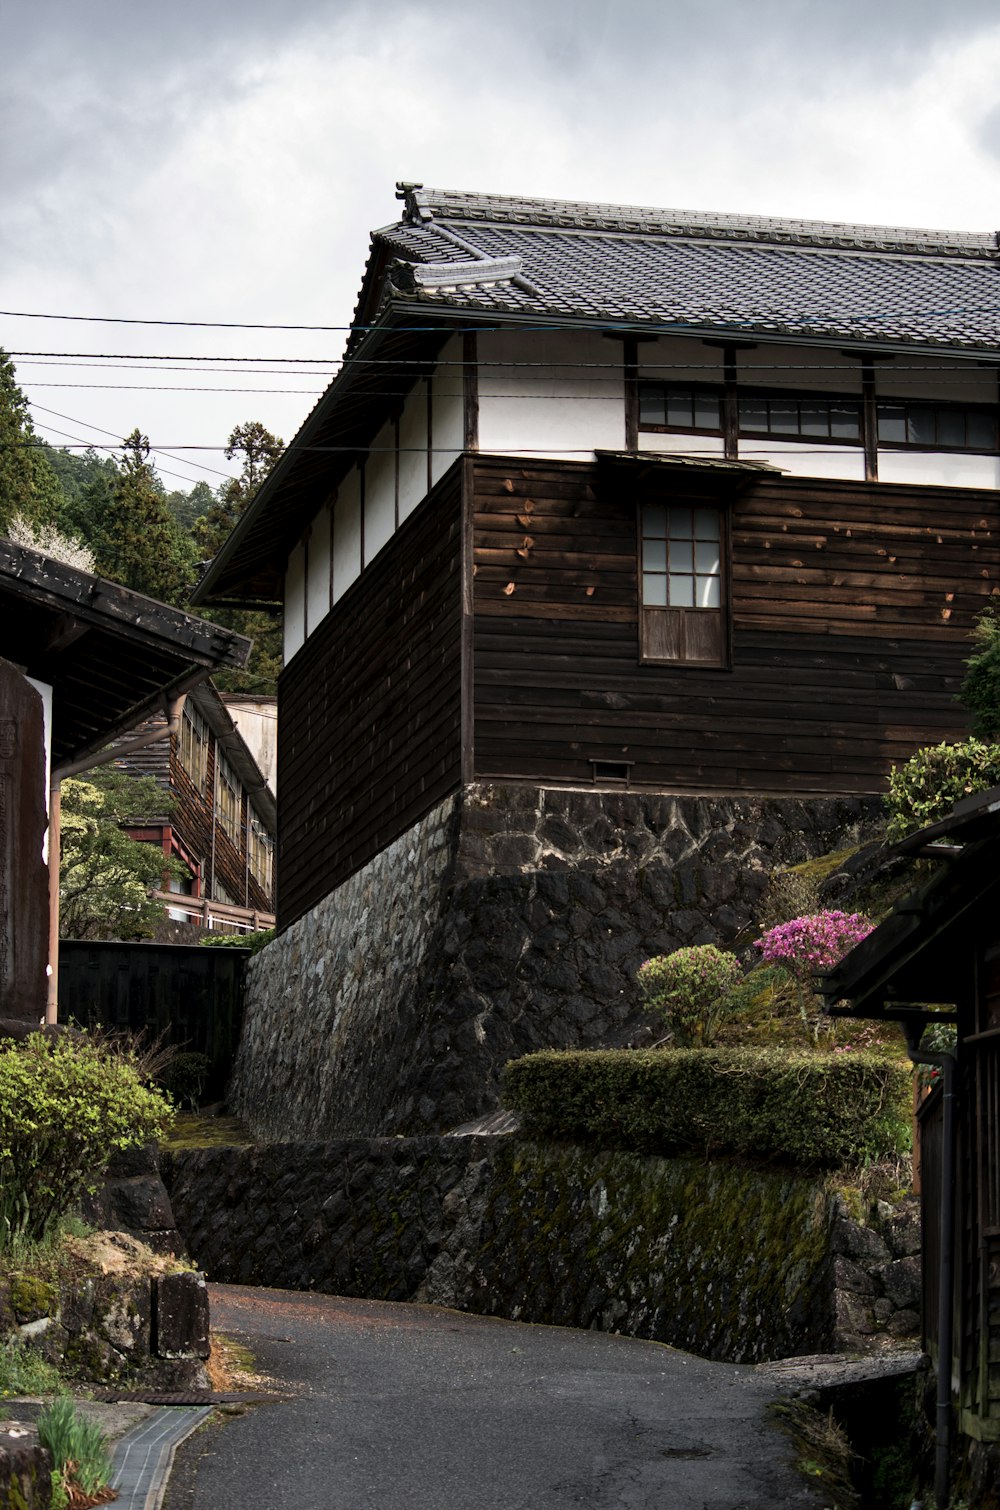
752 274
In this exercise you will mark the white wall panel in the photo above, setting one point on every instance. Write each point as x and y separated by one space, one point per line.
808 459
673 444
550 393
318 571
295 602
380 491
347 534
413 450
950 469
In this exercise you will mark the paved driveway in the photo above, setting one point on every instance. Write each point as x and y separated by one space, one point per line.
401 1407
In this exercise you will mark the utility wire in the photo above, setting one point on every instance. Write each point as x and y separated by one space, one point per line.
72 420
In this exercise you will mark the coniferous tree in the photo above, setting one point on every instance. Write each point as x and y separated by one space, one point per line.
139 542
258 450
28 485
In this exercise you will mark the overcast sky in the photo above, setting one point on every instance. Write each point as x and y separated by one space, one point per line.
226 162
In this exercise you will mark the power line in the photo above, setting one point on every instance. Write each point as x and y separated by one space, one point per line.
72 420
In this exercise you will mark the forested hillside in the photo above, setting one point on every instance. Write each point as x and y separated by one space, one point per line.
111 514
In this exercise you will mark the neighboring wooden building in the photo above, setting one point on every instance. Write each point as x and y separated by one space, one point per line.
936 959
222 824
625 498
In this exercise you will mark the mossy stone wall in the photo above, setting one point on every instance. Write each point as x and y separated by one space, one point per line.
716 1257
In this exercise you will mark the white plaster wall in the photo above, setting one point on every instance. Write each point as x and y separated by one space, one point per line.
674 359
413 450
447 421
295 602
318 571
44 691
347 534
814 368
672 444
558 394
806 459
380 491
939 468
257 723
923 377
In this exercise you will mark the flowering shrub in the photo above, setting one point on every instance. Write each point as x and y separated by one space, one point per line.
806 945
817 942
690 990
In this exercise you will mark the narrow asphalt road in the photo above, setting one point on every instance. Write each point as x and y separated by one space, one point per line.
402 1407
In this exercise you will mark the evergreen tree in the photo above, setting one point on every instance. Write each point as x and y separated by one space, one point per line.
139 542
258 450
187 508
28 485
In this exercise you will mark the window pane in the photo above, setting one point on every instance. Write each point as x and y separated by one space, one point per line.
753 414
681 555
654 555
681 524
681 591
950 427
680 407
892 423
654 520
981 431
920 425
706 557
814 417
706 412
845 421
708 592
706 524
784 416
654 590
651 404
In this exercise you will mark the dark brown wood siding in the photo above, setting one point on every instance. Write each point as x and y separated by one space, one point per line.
369 737
851 606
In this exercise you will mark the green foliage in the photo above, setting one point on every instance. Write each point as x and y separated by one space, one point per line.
817 1110
691 990
252 941
980 691
28 485
104 876
927 787
184 1078
66 1104
79 1447
789 894
23 1371
258 451
139 542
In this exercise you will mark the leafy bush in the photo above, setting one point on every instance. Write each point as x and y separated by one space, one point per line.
184 1078
251 941
805 945
980 691
690 990
927 787
66 1104
789 894
79 1450
23 1371
807 1110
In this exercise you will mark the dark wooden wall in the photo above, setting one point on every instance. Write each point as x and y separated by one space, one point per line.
369 737
851 610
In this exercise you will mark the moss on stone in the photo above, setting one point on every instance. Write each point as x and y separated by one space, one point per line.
32 1298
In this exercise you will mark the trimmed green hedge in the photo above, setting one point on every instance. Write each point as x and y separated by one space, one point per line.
808 1110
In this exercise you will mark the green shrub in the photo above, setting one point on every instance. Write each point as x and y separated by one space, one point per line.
23 1371
927 787
980 691
66 1104
251 941
79 1448
184 1078
816 1110
690 989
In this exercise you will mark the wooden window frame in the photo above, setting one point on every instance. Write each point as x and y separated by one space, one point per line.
660 624
227 779
886 401
192 748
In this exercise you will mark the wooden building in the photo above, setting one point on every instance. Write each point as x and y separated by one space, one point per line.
936 960
222 822
630 500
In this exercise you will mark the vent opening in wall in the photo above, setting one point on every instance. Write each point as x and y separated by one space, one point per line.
611 771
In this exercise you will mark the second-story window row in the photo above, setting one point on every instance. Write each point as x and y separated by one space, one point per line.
834 418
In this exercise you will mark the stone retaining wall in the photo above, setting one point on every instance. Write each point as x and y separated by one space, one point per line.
511 918
717 1258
